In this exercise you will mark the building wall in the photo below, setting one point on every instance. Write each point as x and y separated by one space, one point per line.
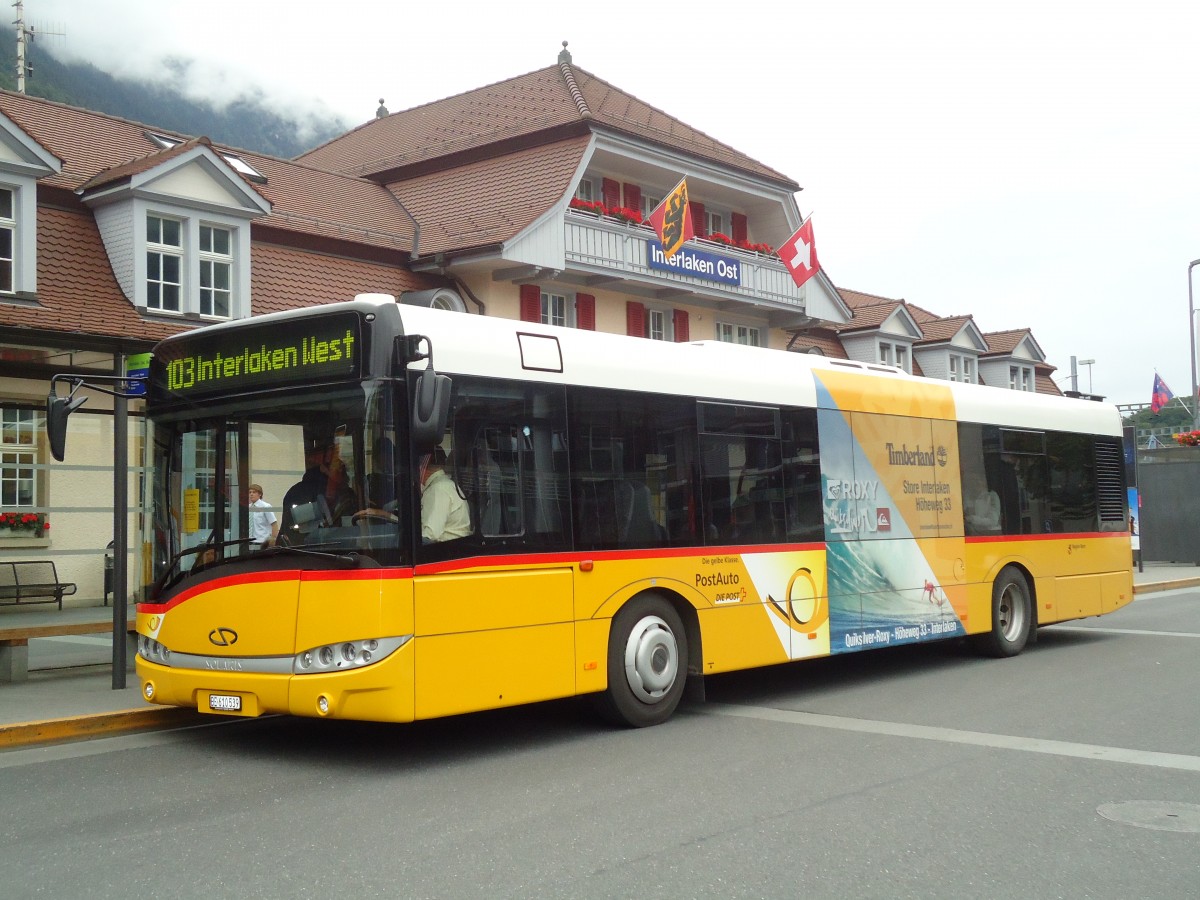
77 494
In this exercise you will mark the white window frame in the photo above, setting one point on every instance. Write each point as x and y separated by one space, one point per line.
902 357
8 223
1020 378
556 310
660 324
213 265
715 223
649 205
885 353
197 262
158 253
18 458
735 333
586 191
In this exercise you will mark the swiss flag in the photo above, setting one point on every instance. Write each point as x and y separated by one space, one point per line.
799 254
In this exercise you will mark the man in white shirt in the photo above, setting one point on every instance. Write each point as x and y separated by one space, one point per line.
444 511
264 526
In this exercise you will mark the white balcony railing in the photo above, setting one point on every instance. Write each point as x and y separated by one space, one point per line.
605 244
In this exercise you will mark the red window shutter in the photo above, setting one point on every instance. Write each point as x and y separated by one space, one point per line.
610 193
585 312
531 303
738 224
699 219
681 326
633 197
635 319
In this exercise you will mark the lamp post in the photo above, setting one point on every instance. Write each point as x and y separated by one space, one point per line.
1192 345
1089 363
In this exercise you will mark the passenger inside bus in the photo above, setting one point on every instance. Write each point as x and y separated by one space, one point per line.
444 511
982 512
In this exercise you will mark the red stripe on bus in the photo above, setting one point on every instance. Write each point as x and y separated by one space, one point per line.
1069 536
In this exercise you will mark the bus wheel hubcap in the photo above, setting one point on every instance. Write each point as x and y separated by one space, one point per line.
651 659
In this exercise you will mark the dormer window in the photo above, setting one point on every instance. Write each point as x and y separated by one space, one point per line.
8 230
216 271
191 267
164 263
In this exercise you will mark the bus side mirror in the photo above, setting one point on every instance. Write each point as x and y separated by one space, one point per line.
430 408
57 410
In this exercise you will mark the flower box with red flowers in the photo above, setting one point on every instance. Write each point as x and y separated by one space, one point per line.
23 524
590 206
1187 438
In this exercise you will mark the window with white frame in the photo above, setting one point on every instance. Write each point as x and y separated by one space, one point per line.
716 223
18 458
732 333
902 357
658 325
8 234
885 353
649 205
554 309
216 271
192 266
586 191
164 263
1020 378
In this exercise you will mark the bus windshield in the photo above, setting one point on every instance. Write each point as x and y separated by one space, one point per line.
310 471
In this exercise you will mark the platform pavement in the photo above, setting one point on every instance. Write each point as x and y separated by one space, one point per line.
69 694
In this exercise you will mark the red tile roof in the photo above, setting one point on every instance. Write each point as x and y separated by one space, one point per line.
287 278
489 201
95 147
513 113
937 330
822 340
77 292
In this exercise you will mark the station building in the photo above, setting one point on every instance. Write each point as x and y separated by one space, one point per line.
524 199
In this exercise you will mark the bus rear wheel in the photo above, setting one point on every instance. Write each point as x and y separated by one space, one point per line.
647 663
1012 616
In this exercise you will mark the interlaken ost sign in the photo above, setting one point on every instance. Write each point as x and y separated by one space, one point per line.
696 263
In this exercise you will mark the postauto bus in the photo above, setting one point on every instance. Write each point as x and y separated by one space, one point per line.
640 514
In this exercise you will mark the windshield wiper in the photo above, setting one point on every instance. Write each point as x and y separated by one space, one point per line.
166 580
351 558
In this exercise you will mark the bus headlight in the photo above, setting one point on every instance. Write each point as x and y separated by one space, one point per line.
152 651
347 655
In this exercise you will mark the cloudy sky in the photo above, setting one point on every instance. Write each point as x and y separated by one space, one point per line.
1033 162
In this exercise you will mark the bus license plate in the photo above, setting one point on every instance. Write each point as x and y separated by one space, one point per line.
224 703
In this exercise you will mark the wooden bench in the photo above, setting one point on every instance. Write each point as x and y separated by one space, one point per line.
33 581
16 632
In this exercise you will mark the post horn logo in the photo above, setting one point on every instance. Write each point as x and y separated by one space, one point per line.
223 637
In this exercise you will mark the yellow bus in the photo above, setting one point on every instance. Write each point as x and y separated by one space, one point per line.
475 513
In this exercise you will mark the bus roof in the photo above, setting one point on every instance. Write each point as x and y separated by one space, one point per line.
470 344
504 348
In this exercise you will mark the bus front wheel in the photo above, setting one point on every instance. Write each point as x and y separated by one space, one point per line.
1012 616
647 663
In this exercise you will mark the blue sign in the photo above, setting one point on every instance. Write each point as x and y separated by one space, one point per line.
696 263
137 366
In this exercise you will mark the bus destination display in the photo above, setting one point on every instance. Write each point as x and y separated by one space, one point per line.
254 358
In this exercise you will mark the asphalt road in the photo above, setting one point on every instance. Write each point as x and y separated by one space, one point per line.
1071 771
